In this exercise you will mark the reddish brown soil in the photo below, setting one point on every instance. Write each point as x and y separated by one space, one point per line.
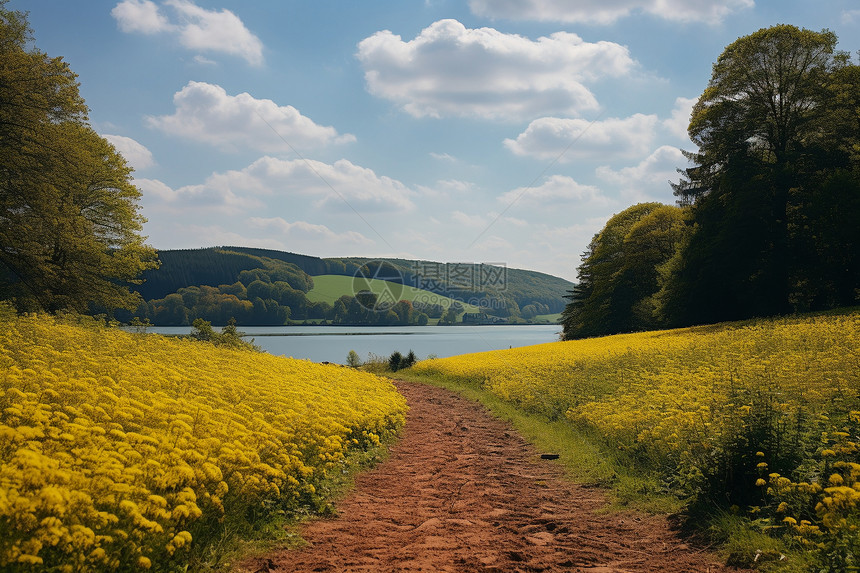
461 491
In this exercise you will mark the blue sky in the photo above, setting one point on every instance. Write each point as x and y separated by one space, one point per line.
485 131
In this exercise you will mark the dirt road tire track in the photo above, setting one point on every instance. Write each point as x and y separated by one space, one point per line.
463 492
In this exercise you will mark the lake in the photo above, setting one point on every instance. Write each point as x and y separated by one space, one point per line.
333 343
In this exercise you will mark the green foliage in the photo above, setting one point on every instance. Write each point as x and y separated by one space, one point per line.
375 364
262 295
775 185
69 222
394 361
310 265
764 98
769 208
450 316
7 312
229 335
619 278
830 247
405 313
329 288
814 508
755 423
182 268
139 325
280 279
398 362
352 359
757 419
432 310
202 330
508 288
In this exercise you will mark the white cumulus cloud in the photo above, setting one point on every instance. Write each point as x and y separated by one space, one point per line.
225 193
155 189
340 186
140 16
137 155
451 70
650 178
659 167
204 61
302 230
608 11
678 123
554 190
207 113
549 138
196 28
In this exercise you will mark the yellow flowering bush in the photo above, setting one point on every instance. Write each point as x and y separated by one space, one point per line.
125 452
819 509
714 408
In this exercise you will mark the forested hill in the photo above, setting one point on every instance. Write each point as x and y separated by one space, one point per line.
465 281
209 279
214 266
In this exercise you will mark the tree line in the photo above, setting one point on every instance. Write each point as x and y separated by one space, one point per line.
205 279
275 294
767 220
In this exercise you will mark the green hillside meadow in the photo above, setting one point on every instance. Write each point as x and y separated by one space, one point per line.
329 288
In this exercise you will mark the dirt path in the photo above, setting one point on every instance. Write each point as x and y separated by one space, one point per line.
463 492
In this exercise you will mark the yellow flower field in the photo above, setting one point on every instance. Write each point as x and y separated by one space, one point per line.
737 413
654 387
119 451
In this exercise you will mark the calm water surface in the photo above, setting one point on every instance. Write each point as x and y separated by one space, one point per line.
333 343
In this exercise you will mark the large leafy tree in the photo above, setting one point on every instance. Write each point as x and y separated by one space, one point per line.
649 246
766 99
774 124
69 221
619 275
